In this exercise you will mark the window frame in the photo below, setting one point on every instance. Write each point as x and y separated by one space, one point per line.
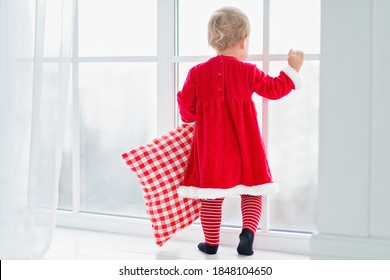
168 60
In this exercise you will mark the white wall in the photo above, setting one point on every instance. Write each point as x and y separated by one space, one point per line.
354 172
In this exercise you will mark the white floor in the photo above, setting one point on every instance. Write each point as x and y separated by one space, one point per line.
73 244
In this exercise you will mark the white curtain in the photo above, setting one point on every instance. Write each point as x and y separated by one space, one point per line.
35 59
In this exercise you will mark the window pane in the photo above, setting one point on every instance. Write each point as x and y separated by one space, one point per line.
194 17
52 28
112 27
295 24
118 104
293 152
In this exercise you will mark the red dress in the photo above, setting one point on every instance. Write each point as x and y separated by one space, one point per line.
227 155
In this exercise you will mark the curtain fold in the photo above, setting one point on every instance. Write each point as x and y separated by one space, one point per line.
34 83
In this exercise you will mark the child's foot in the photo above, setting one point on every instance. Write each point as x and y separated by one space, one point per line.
208 249
246 243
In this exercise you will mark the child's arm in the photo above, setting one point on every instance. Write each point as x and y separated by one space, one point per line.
276 87
186 99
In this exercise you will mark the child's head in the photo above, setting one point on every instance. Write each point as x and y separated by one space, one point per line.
227 27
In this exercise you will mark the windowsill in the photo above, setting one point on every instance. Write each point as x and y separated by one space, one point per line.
78 244
287 242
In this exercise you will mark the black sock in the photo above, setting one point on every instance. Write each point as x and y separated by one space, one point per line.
246 243
208 249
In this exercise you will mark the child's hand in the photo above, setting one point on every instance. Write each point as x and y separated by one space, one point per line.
295 59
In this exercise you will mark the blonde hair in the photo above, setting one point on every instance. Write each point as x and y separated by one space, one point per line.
227 27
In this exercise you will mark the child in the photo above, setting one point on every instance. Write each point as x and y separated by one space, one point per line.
227 155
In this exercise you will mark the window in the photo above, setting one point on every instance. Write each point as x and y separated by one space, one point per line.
114 105
125 77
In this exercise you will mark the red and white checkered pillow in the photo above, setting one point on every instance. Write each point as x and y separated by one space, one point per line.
159 166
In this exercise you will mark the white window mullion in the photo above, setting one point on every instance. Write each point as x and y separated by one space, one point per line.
110 59
283 57
165 67
264 223
175 58
76 188
200 58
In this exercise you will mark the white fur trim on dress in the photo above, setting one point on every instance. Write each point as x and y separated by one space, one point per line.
293 75
212 193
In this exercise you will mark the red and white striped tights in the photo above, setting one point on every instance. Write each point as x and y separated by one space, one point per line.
211 216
